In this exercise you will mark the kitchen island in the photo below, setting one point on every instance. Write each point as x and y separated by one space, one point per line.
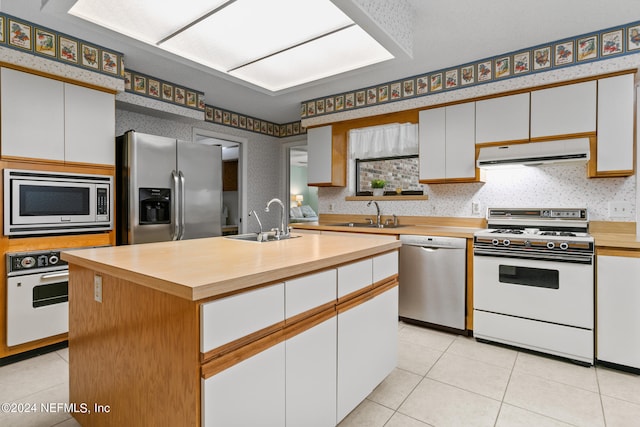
227 332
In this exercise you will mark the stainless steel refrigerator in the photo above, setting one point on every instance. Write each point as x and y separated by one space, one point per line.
166 189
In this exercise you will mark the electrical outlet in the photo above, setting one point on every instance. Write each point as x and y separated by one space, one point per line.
619 210
97 288
475 207
331 207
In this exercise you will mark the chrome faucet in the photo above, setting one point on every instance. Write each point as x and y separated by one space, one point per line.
378 224
254 213
283 232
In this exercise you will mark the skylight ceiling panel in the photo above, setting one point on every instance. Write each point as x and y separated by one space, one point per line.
147 20
342 51
248 30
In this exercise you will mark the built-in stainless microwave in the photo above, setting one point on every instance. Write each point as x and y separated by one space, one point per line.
41 202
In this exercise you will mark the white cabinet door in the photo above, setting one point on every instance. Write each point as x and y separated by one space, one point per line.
311 376
385 324
307 292
32 116
251 393
385 266
563 110
460 157
225 320
355 276
89 125
615 123
367 348
319 146
618 317
503 119
432 138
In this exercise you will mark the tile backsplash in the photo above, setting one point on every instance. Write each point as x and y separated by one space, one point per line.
559 185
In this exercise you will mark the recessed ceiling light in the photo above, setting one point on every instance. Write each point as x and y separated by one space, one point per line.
273 44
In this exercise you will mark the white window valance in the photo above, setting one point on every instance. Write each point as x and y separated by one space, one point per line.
397 139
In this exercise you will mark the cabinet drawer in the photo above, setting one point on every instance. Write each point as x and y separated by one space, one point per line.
385 266
308 292
355 276
228 319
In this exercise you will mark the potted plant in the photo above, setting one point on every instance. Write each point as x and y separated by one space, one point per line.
378 186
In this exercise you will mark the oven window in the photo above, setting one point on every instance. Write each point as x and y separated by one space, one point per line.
54 293
527 276
40 200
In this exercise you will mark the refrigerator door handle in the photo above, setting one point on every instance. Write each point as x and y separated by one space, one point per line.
175 221
182 204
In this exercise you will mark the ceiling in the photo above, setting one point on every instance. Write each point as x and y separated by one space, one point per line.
445 34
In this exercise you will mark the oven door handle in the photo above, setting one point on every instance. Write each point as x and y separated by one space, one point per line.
555 257
55 275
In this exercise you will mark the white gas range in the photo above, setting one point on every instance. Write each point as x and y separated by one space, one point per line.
534 281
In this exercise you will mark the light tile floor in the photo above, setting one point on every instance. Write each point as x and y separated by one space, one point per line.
441 380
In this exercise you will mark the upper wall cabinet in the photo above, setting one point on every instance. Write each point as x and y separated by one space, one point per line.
327 158
614 156
52 120
503 119
447 144
563 110
32 115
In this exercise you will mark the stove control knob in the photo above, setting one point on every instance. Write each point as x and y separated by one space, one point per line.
28 262
495 242
506 242
53 260
551 245
564 246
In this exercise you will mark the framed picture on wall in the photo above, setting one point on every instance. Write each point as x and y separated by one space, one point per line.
467 75
435 82
19 34
587 48
90 56
633 37
612 43
339 102
110 63
563 53
349 100
396 90
67 50
167 92
542 58
451 79
422 85
2 37
503 67
521 63
408 88
139 84
45 42
485 71
154 88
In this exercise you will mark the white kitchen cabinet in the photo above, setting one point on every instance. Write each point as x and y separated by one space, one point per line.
251 393
505 118
564 110
615 124
308 292
89 125
355 276
618 317
367 348
32 115
385 265
432 136
327 158
311 376
225 320
47 119
447 143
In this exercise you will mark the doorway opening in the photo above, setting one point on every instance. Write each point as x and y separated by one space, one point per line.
303 199
234 194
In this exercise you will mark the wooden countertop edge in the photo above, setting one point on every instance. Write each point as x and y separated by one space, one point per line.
449 231
233 284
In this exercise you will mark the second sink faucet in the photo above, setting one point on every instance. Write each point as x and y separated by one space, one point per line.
378 223
282 232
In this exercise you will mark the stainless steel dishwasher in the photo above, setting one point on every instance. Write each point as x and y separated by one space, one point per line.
433 280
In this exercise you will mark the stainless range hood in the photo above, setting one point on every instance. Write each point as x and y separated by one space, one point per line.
534 153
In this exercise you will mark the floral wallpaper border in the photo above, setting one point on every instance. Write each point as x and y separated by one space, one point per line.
241 121
590 47
25 36
162 90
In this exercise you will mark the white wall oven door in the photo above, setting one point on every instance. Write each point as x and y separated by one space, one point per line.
37 306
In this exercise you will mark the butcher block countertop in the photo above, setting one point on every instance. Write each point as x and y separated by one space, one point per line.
204 268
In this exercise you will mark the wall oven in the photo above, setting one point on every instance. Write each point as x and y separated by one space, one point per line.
38 202
534 281
37 296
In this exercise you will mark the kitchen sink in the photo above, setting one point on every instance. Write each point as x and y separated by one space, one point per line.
367 225
258 237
